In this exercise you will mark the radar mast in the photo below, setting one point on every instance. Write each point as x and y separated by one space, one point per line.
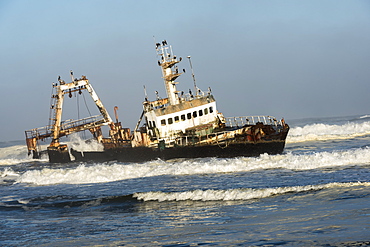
167 60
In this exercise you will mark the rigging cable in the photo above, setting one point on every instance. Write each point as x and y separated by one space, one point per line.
78 106
86 104
83 95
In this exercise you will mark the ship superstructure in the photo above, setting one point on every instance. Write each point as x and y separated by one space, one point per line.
180 112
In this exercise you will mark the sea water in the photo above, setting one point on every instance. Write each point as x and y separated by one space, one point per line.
317 193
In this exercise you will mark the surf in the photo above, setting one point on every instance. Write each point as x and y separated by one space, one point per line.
115 171
237 194
323 132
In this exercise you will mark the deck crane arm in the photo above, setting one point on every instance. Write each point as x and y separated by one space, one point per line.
57 129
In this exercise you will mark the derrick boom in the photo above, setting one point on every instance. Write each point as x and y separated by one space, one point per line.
56 128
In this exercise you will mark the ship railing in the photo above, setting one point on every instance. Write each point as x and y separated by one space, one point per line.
39 132
221 136
189 96
68 124
46 131
216 137
251 120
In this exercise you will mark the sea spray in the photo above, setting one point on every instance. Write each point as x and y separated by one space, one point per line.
77 143
13 152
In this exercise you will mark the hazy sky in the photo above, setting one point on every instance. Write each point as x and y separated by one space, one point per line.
291 59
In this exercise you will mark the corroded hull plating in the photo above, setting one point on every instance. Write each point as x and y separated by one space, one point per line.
222 150
142 154
59 154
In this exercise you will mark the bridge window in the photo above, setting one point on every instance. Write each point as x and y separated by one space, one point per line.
183 117
163 122
200 113
206 111
211 109
177 119
170 120
194 114
189 115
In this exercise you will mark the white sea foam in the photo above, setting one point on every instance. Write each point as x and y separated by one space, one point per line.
320 131
100 173
8 174
19 154
17 151
14 155
235 194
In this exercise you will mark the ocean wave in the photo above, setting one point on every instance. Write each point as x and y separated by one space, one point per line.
13 152
236 194
104 172
364 116
61 201
239 194
14 155
321 132
8 175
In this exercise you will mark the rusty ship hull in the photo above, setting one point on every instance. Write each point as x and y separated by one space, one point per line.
248 141
142 154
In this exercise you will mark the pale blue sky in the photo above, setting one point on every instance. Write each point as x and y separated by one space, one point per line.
292 59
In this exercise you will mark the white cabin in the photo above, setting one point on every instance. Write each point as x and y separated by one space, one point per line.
169 120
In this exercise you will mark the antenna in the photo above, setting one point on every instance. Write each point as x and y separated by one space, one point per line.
115 113
192 73
146 95
72 75
156 43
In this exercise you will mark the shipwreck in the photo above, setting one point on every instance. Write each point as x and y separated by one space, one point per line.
182 125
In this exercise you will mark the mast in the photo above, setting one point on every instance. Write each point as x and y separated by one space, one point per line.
192 74
167 60
59 97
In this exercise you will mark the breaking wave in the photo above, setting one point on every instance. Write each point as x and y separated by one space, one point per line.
8 175
236 194
105 172
240 194
13 155
18 154
320 132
